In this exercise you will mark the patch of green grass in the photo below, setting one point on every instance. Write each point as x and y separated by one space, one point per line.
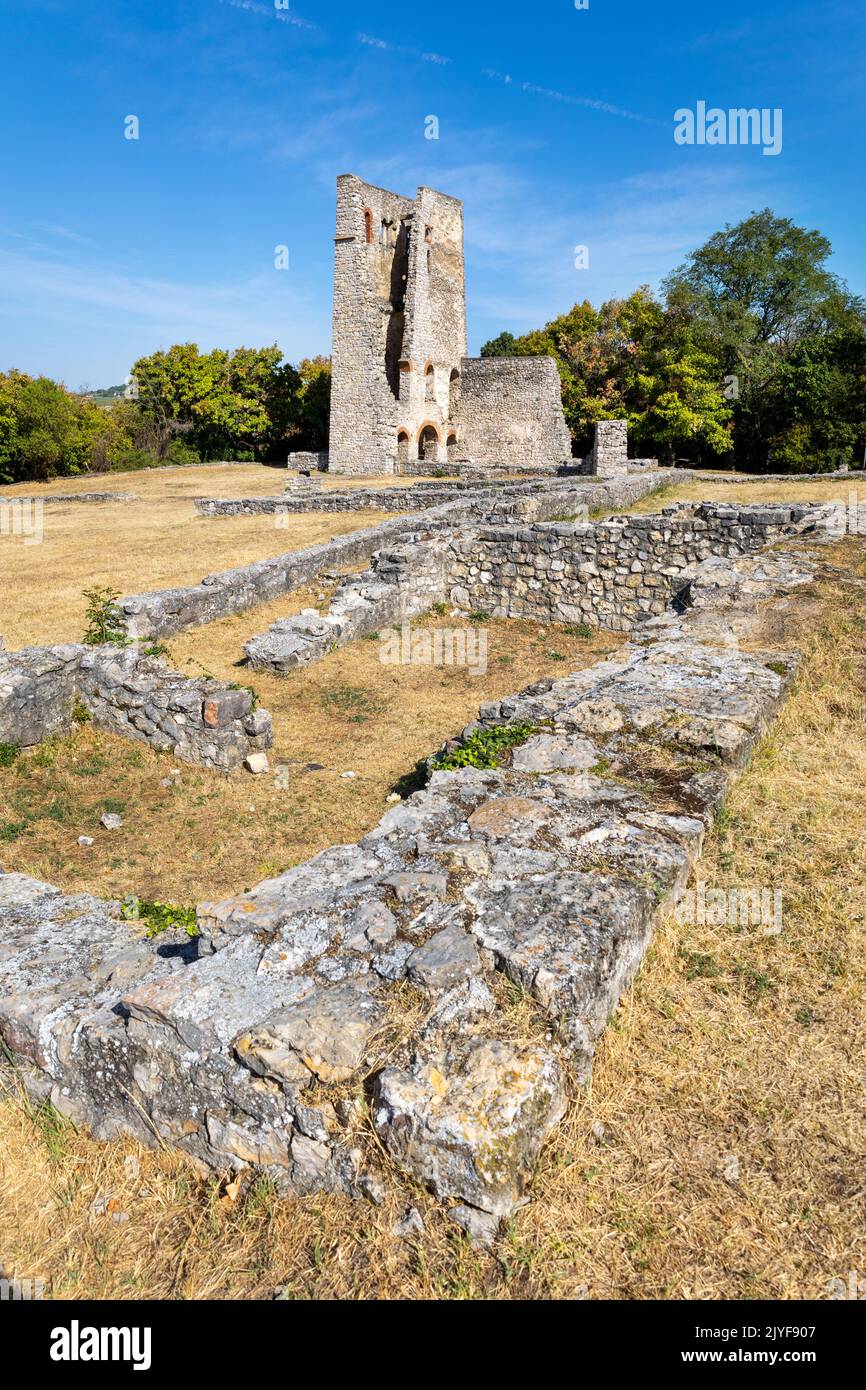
484 748
80 713
700 966
156 649
9 752
352 701
778 666
577 630
478 615
11 829
556 656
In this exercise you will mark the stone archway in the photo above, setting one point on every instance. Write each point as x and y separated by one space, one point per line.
428 443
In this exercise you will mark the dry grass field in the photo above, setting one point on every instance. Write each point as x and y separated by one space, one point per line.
210 835
154 543
795 490
717 1151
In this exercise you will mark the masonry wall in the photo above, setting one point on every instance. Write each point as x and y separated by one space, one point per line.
511 413
368 325
612 574
233 591
201 721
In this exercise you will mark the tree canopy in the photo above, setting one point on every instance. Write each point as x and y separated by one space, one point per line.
753 355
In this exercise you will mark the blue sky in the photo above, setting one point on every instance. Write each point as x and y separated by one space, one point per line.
555 127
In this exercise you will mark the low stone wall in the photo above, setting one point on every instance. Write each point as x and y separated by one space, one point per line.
233 591
401 584
309 459
610 574
550 870
202 721
71 497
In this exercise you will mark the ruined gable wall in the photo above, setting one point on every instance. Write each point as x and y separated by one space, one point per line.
511 412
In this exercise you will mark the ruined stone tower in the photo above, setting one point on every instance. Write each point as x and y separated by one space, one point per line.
399 326
405 397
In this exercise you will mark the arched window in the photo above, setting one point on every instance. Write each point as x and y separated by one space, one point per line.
430 383
452 447
402 450
368 226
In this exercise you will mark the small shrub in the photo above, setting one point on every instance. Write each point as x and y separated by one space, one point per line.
156 649
8 753
104 619
485 748
478 615
159 917
80 713
778 666
440 609
577 630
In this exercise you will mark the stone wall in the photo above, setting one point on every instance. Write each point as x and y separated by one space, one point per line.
233 591
610 574
551 869
401 584
316 462
511 412
202 721
607 574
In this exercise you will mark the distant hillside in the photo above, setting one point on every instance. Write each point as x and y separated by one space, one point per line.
106 395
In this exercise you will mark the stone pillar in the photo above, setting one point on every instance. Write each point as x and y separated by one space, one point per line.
610 449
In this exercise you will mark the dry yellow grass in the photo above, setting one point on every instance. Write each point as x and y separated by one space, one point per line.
794 490
717 1152
154 543
209 835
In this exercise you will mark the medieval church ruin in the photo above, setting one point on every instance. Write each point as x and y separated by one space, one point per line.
405 396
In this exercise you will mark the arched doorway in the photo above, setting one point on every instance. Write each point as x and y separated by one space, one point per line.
402 451
428 444
452 447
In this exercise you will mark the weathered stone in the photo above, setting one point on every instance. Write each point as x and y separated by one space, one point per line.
448 958
327 1031
257 763
481 1227
470 1122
